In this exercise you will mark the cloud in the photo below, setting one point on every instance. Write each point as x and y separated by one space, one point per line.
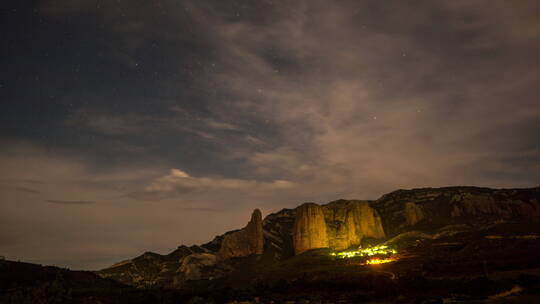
116 125
130 123
64 202
27 190
203 209
178 182
20 185
363 105
356 98
220 125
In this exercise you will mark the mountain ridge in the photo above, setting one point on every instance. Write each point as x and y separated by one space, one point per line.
338 224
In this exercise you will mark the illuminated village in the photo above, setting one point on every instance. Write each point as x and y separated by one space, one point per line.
373 255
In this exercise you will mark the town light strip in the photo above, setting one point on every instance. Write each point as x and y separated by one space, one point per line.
365 252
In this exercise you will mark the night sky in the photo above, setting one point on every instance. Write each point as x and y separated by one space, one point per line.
137 125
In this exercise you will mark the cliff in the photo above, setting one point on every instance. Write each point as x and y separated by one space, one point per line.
337 225
428 209
348 222
184 264
247 241
309 228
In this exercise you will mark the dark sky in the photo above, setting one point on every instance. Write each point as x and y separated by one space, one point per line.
137 125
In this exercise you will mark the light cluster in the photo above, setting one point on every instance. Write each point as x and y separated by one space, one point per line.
379 261
365 252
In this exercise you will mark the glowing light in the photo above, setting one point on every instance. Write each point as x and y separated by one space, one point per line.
379 261
365 252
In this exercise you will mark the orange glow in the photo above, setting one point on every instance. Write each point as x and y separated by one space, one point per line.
379 261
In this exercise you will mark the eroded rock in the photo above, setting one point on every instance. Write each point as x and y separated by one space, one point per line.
413 213
309 230
433 208
337 225
247 241
193 265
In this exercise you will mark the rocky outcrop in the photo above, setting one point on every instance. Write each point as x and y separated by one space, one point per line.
192 267
152 269
413 213
337 225
247 241
348 222
309 230
184 264
365 221
278 234
429 209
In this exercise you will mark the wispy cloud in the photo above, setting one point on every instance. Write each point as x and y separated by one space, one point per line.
363 106
68 202
178 182
220 125
21 189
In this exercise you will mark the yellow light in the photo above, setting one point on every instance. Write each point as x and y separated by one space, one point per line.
370 251
379 261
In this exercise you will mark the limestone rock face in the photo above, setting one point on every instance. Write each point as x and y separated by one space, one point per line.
413 213
348 222
309 229
429 209
337 225
247 241
152 269
278 234
368 221
193 264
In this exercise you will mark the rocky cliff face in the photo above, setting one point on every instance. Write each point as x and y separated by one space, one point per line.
193 265
309 228
413 213
429 209
360 221
278 234
247 241
204 262
152 269
337 225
